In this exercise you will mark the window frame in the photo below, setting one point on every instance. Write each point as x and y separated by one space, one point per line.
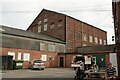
45 27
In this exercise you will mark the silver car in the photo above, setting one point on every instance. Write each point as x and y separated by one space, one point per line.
37 64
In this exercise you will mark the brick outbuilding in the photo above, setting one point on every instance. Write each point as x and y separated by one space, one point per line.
27 46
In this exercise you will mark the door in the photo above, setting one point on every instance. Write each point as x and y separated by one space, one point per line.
100 60
61 62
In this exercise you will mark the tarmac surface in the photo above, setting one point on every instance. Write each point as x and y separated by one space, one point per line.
55 73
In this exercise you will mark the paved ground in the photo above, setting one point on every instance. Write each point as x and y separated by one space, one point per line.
47 73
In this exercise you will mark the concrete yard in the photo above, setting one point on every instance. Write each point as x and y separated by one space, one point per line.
47 73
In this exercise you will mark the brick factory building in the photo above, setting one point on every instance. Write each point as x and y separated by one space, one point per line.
53 37
70 30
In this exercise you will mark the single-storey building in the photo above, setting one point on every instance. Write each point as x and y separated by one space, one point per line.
26 45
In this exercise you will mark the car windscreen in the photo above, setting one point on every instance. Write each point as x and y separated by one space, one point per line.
38 61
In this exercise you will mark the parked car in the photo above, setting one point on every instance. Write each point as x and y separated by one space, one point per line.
37 64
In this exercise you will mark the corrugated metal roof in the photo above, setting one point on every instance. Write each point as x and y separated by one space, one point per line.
28 34
97 49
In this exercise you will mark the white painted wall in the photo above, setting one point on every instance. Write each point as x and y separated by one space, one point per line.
113 60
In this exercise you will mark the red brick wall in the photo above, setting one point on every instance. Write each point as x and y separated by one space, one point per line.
73 25
69 57
57 32
33 55
68 60
69 24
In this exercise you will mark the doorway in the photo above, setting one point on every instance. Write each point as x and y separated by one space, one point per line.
61 62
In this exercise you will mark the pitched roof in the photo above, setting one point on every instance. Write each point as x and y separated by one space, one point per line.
67 16
27 34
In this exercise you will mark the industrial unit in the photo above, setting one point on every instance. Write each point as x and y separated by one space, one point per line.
74 32
25 45
55 38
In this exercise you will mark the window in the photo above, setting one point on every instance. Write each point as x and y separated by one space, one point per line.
61 48
46 46
84 44
60 22
87 60
100 41
45 20
12 54
51 47
44 57
45 27
39 22
42 46
105 42
77 36
19 56
70 34
26 56
90 38
70 44
52 25
85 37
39 29
96 40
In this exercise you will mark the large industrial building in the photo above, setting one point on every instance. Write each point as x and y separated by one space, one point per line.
55 38
68 29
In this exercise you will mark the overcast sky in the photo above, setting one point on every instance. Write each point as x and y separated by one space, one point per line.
20 13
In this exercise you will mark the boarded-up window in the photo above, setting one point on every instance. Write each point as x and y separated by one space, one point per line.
12 54
44 57
26 56
19 56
